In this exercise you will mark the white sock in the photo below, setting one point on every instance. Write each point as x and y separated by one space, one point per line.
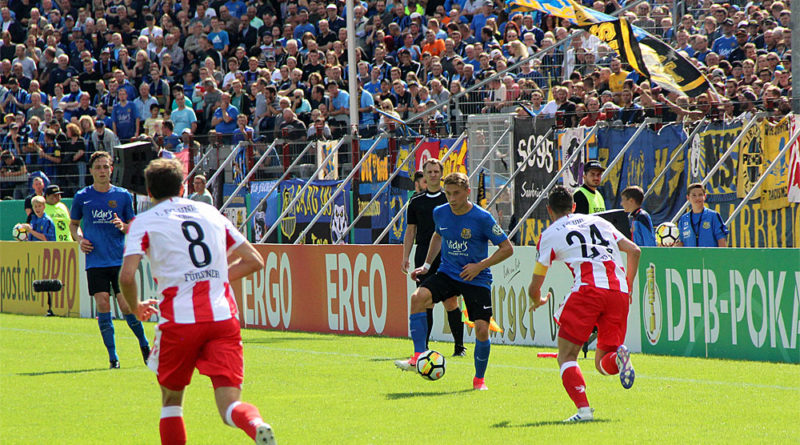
171 411
229 412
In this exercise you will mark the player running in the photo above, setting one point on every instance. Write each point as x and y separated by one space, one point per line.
463 232
591 247
188 243
106 211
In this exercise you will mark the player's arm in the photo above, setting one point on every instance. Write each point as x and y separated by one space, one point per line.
535 288
633 252
434 248
408 243
77 235
246 260
470 271
127 284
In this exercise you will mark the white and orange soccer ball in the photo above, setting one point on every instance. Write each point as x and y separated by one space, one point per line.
667 234
431 365
19 232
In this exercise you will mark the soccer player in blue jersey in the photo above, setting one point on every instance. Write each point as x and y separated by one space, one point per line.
463 231
106 211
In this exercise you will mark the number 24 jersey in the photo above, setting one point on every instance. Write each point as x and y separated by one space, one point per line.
187 243
588 245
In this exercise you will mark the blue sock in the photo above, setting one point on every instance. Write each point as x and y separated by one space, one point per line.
482 349
107 332
418 324
137 328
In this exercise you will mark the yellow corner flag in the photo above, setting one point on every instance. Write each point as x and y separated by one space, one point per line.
493 326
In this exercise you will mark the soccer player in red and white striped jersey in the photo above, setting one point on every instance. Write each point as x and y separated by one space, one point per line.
590 246
188 244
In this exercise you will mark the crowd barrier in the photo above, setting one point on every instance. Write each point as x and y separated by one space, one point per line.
715 303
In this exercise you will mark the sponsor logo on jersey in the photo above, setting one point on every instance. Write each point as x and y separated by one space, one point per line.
457 247
101 216
466 233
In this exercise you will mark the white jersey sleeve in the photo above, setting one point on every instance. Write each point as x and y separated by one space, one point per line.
187 243
588 245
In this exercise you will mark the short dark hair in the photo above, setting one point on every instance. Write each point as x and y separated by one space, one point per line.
96 155
164 178
560 199
635 193
695 185
418 175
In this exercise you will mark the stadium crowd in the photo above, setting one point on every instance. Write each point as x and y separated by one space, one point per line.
80 76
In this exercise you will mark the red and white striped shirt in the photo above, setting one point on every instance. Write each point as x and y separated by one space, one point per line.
188 243
588 245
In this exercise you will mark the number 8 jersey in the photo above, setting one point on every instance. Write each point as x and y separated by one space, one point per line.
187 243
588 245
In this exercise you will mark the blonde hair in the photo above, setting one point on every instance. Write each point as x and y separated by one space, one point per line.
38 200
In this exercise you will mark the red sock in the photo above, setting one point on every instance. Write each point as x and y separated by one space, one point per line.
245 417
171 427
609 363
572 378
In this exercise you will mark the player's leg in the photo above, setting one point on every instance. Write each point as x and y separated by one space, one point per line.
577 318
456 325
572 379
133 323
612 356
222 360
436 288
478 300
483 347
418 319
242 415
171 426
99 290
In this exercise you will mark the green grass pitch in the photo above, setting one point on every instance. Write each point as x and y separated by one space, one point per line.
313 389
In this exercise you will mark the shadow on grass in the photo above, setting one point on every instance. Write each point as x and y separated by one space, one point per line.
284 339
410 395
508 424
63 371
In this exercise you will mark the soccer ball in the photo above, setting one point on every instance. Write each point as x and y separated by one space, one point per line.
667 234
19 233
430 365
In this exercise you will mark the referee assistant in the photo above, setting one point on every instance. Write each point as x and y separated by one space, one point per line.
420 229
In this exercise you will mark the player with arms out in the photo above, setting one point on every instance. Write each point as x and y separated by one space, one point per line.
591 247
106 211
420 228
188 244
462 234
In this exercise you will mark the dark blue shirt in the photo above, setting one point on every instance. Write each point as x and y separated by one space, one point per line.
465 240
642 228
97 210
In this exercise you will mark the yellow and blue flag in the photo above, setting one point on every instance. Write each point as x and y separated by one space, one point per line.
645 53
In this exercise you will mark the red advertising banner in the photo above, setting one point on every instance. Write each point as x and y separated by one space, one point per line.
341 289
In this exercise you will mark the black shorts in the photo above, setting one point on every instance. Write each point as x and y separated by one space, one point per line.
103 279
477 298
